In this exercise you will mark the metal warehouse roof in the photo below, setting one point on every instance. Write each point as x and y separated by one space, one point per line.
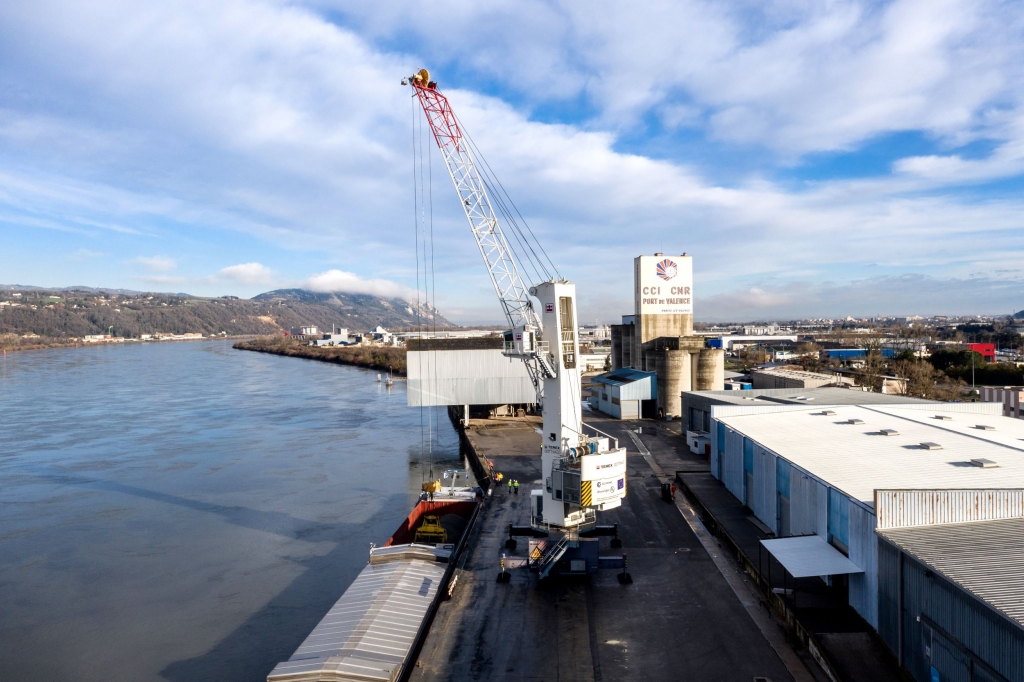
856 458
823 395
368 633
986 558
622 376
809 555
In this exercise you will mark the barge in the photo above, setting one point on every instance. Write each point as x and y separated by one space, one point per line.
374 631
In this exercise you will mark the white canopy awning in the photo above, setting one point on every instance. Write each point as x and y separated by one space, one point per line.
809 555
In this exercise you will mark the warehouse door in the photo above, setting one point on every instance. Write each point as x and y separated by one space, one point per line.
945 657
782 525
748 473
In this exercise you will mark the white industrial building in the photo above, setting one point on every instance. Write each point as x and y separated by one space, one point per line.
731 342
465 372
1011 397
792 377
900 481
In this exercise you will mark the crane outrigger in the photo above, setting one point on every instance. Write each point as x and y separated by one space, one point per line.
582 473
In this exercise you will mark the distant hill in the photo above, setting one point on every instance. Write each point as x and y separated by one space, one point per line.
65 313
1019 315
354 311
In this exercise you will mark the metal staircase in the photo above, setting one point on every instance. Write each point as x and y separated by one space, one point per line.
543 356
555 553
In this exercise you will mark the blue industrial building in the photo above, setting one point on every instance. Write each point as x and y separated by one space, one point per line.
623 393
853 353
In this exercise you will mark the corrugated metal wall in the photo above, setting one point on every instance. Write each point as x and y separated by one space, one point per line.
765 497
467 377
888 594
808 505
864 552
733 469
717 443
629 409
948 615
645 388
900 508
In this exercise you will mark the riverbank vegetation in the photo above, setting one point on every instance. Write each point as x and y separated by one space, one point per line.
14 342
384 358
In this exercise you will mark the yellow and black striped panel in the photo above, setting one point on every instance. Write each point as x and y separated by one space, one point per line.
585 493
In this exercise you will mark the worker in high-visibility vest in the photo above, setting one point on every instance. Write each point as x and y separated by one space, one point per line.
510 485
516 485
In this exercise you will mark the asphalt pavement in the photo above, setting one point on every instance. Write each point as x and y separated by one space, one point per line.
679 620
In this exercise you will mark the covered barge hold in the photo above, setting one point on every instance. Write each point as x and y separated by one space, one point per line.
374 630
369 632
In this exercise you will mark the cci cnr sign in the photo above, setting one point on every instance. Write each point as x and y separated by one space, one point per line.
663 285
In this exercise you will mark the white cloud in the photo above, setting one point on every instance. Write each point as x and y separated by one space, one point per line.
793 76
886 295
265 119
249 273
349 282
85 254
163 279
156 263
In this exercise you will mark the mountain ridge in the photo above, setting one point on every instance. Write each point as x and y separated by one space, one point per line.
61 313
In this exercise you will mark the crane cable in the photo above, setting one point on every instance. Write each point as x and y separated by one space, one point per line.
416 241
426 288
501 197
433 293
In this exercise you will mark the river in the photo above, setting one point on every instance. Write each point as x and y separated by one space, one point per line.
186 511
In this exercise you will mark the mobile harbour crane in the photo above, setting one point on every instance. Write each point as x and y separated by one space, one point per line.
582 473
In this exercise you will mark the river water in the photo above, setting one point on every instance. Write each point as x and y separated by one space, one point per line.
186 511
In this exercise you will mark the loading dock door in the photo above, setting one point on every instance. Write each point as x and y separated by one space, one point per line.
944 657
782 486
748 473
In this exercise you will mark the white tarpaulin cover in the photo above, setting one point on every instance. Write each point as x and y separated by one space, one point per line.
810 555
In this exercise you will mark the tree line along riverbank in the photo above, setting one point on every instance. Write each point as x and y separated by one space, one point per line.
383 358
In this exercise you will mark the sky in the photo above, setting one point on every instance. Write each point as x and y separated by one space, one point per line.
817 159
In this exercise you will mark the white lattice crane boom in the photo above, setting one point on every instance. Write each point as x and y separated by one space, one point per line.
501 264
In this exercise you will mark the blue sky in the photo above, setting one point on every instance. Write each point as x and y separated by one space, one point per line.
816 158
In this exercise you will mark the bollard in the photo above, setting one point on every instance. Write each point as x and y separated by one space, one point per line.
616 542
511 542
504 576
624 577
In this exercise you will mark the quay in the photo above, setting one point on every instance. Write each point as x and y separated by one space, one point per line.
681 618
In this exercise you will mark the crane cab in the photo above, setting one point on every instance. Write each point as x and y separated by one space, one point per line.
520 341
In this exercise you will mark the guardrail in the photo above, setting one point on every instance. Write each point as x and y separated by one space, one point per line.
598 431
